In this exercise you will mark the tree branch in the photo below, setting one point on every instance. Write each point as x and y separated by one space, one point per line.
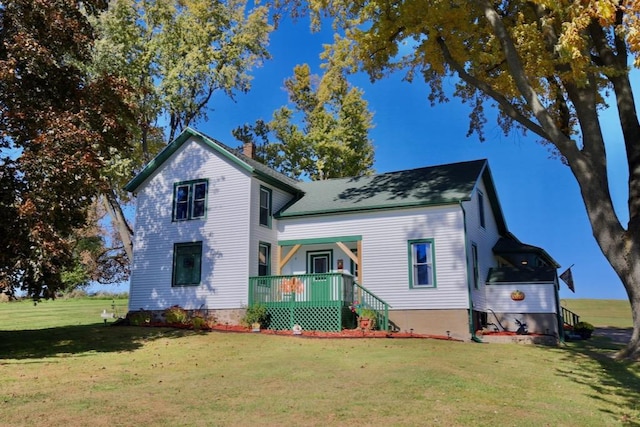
551 131
506 105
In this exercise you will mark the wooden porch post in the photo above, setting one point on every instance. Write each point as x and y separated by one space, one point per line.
282 262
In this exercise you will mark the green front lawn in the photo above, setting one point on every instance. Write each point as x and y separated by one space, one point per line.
84 373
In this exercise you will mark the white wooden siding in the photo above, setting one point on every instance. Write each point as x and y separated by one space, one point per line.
485 239
539 298
385 260
224 233
260 233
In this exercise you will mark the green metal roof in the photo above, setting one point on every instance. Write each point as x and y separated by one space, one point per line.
434 185
235 156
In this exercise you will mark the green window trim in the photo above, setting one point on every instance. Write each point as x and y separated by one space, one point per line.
264 259
265 212
320 240
190 200
187 264
312 255
422 263
475 267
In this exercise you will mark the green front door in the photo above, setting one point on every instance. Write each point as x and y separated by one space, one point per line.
319 263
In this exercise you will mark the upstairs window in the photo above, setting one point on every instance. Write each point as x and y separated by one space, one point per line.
481 208
421 264
190 200
265 207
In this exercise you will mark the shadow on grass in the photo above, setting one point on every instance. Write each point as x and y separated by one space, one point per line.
615 382
75 340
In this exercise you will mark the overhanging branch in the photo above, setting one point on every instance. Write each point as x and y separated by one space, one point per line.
504 103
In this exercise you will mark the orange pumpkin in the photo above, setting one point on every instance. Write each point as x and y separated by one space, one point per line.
517 295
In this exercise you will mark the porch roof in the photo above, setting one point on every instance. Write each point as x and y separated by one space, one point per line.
434 185
503 275
511 245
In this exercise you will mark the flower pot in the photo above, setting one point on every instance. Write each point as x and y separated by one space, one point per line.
365 323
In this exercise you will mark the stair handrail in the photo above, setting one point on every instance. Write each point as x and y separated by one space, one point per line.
370 300
569 317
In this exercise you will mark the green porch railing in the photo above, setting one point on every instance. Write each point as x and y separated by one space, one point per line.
314 301
569 317
368 300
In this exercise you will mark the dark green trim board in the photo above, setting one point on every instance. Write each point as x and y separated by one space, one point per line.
472 327
432 252
319 241
319 253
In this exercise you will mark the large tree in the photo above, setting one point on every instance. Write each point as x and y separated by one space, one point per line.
176 54
325 135
58 128
544 65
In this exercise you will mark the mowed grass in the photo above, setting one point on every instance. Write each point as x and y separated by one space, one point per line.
614 313
86 374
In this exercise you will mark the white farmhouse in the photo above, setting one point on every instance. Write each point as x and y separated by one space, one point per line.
427 249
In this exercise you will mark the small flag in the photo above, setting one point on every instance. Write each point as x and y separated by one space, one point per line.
567 278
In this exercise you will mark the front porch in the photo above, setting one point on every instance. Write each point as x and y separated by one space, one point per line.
314 301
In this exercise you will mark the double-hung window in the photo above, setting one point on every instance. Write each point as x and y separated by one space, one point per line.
421 264
187 264
190 200
264 259
265 206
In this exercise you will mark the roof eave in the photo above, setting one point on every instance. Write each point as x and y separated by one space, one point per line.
285 215
172 147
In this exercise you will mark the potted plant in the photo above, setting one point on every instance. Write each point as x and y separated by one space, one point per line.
367 318
255 317
584 329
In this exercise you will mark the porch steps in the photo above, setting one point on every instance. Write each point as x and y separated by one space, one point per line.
319 302
369 300
569 317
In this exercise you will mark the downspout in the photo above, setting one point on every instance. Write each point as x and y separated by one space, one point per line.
472 328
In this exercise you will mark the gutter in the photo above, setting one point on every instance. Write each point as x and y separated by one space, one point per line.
472 328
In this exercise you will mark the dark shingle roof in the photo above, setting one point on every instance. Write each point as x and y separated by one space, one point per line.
434 185
511 245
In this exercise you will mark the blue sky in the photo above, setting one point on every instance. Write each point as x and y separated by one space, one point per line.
539 196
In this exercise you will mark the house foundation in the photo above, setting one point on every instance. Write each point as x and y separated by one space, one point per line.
453 323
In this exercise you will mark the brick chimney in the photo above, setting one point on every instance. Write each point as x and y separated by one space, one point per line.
249 149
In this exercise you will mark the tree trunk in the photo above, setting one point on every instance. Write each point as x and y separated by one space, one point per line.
111 204
620 247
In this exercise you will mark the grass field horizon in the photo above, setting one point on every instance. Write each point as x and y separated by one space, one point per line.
59 365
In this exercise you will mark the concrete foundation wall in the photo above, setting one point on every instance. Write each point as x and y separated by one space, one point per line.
537 323
433 322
